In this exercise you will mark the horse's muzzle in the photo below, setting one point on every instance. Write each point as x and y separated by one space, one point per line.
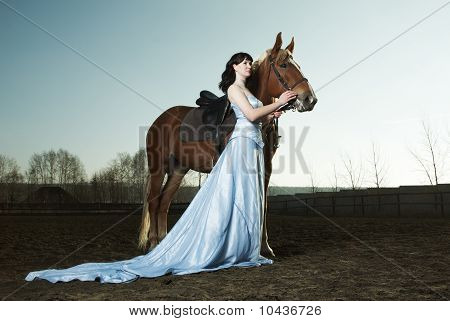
305 103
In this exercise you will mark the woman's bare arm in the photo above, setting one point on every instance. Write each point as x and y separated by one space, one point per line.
237 97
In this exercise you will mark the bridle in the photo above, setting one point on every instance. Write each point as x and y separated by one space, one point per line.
286 86
280 78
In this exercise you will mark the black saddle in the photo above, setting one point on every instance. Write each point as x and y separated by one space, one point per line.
211 121
214 107
208 98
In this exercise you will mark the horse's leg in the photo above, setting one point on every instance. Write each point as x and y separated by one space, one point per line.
173 183
145 219
265 248
154 201
149 224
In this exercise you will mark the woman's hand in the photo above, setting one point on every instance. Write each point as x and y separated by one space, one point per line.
275 114
286 96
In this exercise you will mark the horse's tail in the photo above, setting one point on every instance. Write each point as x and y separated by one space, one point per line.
145 221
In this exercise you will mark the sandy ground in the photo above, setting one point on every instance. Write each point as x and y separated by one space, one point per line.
314 260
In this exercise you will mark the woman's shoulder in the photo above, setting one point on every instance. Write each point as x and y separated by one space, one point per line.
235 89
232 92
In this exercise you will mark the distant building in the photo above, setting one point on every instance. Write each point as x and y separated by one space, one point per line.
51 195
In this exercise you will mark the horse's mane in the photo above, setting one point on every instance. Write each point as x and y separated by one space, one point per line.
257 63
253 80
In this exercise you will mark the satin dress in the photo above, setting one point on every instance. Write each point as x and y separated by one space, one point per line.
221 228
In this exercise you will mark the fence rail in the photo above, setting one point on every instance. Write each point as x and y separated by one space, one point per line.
388 204
61 209
429 204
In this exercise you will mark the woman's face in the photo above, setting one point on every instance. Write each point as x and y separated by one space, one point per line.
244 68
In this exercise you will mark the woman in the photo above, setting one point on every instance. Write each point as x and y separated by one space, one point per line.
222 226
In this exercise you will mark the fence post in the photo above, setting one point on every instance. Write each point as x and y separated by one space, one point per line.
362 205
333 202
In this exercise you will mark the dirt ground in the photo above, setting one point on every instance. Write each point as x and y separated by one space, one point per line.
315 260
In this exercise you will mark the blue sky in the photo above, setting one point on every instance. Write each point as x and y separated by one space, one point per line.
170 50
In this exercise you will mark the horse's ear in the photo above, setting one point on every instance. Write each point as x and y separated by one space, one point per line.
277 46
290 47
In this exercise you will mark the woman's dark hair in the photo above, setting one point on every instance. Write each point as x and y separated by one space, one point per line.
229 75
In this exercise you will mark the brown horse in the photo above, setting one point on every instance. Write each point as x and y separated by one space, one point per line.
272 74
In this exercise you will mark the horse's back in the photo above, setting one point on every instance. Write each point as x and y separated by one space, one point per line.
172 116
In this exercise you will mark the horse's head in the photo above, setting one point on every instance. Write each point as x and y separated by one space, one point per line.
284 73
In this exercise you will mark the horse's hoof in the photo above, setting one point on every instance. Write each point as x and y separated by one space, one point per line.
153 244
267 251
160 238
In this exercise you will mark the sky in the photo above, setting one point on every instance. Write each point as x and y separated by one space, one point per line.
117 65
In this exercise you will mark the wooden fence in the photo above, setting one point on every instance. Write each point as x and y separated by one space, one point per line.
405 201
433 204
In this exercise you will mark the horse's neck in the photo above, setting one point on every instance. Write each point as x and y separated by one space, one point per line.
261 94
259 82
259 88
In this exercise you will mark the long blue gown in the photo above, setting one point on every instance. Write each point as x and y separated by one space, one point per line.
221 228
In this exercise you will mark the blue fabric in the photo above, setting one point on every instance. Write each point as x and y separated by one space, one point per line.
221 228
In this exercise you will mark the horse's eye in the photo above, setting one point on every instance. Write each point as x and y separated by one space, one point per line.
283 65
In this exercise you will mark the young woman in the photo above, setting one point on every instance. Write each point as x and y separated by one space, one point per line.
222 226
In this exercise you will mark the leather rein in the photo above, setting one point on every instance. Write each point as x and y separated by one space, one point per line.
280 78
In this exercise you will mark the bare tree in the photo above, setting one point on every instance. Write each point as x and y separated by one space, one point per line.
36 170
50 161
122 180
55 168
334 182
379 168
139 175
9 169
313 180
4 167
104 187
354 173
122 171
64 163
431 159
96 191
10 177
